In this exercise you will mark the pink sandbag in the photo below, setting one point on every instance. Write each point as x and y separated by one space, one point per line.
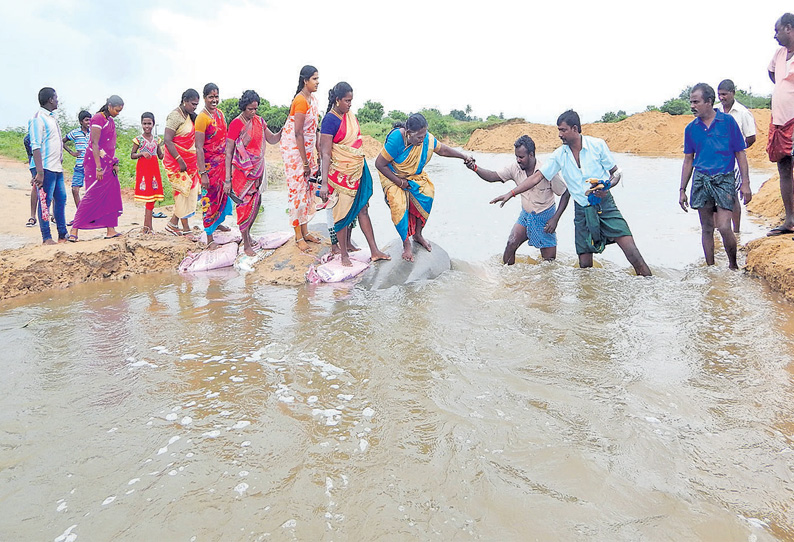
274 240
222 237
334 271
222 256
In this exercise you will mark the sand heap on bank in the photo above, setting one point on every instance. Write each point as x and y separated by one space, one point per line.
652 133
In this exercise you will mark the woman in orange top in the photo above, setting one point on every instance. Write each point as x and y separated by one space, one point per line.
300 155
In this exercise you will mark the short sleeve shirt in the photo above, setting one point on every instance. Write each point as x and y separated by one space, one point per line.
595 159
541 196
236 127
80 140
299 105
783 93
742 116
331 124
714 147
175 120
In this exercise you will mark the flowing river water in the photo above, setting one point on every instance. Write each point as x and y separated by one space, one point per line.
532 402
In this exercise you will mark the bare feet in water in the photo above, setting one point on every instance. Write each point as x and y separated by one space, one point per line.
408 255
378 255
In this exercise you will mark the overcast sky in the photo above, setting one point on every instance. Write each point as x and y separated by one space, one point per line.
499 56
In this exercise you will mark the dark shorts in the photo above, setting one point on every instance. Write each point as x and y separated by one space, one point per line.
596 226
712 191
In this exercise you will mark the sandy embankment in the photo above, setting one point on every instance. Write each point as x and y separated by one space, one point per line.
26 266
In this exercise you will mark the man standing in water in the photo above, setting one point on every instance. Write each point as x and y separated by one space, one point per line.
713 144
539 216
597 220
47 145
726 93
781 129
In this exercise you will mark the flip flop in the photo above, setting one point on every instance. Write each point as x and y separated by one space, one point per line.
159 214
72 238
118 234
779 230
31 222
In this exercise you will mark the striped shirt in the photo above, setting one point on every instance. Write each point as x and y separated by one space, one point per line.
80 140
45 135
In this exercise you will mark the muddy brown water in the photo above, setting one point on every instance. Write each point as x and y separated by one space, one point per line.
537 402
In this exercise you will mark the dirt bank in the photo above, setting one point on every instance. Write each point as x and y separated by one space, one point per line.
653 133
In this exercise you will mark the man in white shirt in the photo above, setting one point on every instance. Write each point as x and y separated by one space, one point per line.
47 146
726 92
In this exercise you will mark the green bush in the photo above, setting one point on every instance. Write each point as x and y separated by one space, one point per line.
370 112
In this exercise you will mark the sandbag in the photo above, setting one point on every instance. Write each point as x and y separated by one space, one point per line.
333 270
222 237
222 256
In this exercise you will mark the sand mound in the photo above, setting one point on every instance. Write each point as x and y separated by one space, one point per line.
41 267
652 133
772 258
767 203
372 146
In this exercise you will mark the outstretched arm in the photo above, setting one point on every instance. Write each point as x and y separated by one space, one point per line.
449 152
484 174
525 185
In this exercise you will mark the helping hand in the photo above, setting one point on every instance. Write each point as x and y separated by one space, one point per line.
504 198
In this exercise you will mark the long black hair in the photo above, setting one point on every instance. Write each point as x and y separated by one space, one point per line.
209 87
188 95
338 92
114 100
248 97
306 73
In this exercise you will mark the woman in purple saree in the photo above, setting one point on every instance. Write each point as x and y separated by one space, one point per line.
101 205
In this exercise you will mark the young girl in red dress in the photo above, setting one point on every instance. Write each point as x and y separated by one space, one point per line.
148 151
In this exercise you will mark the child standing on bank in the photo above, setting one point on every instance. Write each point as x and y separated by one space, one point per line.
148 151
80 137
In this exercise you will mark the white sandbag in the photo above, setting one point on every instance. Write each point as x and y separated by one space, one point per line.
334 271
222 256
275 239
222 237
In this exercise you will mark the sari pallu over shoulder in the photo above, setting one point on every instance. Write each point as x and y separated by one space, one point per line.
248 168
348 174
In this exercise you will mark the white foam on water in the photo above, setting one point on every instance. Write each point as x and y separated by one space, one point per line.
161 349
171 416
141 363
236 378
189 454
368 412
172 473
173 439
109 500
246 443
344 397
332 416
651 419
129 492
188 356
334 386
241 424
190 404
289 524
287 399
133 481
162 450
61 506
113 429
224 413
212 395
67 535
212 434
757 523
243 473
241 488
326 367
312 399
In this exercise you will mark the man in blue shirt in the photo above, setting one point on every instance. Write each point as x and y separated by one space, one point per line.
597 220
713 143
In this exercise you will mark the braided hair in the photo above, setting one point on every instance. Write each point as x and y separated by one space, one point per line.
339 91
306 73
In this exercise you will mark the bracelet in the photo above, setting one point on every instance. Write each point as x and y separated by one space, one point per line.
512 194
682 189
475 168
202 172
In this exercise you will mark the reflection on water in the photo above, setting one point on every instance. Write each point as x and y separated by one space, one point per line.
531 402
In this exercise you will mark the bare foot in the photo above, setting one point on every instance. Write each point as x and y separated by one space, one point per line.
422 241
335 249
62 240
408 256
224 228
353 248
302 245
213 246
346 260
311 238
49 242
378 255
250 251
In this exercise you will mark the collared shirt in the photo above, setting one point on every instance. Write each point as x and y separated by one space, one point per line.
783 94
714 147
541 196
596 162
742 116
80 140
45 135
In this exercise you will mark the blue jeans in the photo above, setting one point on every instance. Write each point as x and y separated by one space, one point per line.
55 189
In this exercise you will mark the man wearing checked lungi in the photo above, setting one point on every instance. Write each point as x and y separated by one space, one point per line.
585 162
713 144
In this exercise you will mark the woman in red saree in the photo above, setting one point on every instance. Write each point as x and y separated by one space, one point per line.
245 163
180 161
211 157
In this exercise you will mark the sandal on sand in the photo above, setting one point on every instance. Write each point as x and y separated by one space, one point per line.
298 242
173 230
72 238
118 234
31 222
159 214
311 238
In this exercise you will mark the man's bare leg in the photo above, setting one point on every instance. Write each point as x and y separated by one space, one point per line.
787 191
707 233
737 213
632 253
728 238
518 235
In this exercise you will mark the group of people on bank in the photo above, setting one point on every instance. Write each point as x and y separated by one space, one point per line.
222 164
